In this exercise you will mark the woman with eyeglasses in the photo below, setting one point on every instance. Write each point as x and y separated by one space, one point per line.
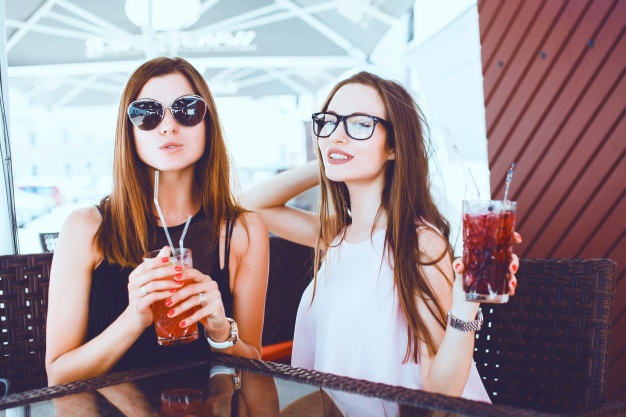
101 290
384 287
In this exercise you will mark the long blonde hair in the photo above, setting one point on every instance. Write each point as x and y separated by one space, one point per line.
407 201
129 224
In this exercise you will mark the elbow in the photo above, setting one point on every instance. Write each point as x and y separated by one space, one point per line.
451 390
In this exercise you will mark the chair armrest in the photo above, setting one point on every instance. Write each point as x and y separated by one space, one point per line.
278 352
608 409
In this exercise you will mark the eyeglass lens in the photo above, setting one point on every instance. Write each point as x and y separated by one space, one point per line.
357 126
147 113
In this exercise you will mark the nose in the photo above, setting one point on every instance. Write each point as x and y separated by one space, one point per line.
168 124
339 135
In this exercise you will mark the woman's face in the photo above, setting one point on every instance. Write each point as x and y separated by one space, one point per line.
170 146
349 160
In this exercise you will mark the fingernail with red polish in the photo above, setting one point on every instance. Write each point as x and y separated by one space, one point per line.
179 282
165 259
178 268
178 276
182 323
170 313
173 290
168 302
514 267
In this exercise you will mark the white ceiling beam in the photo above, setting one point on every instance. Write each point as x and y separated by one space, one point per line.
32 20
50 30
74 92
43 88
381 16
277 17
90 17
226 23
225 73
79 24
286 80
207 5
43 71
323 29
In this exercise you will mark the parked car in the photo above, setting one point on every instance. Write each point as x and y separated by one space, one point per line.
29 206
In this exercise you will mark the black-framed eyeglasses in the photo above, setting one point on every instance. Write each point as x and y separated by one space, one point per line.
147 113
357 126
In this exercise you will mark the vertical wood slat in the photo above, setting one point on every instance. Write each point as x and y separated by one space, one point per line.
557 106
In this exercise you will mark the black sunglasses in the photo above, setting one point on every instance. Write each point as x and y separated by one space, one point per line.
357 126
147 113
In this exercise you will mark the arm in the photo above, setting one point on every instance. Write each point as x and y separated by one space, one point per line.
269 200
447 371
68 357
248 267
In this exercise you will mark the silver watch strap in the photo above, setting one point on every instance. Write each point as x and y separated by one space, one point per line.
466 326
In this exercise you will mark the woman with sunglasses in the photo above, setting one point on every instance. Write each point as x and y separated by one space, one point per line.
99 316
384 291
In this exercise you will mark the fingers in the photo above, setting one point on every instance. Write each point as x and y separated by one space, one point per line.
458 266
513 267
160 260
200 296
517 237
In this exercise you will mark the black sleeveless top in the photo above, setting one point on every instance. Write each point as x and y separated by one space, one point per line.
109 296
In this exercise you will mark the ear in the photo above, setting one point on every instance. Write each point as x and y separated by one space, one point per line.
391 154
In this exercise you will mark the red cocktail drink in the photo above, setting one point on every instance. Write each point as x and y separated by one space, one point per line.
488 228
168 329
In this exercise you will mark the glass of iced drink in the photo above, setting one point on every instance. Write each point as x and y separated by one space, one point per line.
181 402
488 227
167 329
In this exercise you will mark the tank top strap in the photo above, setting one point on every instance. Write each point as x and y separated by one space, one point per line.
230 225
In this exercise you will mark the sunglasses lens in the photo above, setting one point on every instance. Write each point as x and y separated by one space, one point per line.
189 110
145 114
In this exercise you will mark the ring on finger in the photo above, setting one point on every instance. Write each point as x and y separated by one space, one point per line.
202 299
144 291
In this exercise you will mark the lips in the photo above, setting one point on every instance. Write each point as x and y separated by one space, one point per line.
171 145
337 156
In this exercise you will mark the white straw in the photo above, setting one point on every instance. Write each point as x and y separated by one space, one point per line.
156 203
180 242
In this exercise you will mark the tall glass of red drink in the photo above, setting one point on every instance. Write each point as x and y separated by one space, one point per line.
167 329
488 227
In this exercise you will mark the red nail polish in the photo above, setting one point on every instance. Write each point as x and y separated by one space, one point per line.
165 259
179 282
178 276
173 290
514 268
168 302
170 313
178 268
182 323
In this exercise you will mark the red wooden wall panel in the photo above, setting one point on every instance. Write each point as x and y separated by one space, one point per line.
555 102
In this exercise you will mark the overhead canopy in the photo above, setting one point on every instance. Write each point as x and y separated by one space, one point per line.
78 52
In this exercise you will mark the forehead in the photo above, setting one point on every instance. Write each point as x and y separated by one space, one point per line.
357 98
166 88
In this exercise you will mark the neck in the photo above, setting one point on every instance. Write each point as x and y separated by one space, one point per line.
178 196
365 200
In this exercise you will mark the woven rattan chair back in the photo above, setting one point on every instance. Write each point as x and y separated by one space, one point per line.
24 283
289 274
547 348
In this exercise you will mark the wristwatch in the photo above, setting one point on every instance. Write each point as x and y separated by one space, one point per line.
232 338
466 326
225 370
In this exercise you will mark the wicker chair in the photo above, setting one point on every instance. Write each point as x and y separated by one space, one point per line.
290 273
547 348
23 305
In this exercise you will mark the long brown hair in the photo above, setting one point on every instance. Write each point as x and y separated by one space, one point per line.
407 201
129 224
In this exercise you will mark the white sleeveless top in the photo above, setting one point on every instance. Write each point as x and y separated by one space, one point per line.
355 326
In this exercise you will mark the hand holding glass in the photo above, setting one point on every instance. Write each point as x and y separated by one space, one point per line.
167 329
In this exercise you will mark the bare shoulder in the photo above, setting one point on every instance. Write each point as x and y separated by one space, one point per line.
431 242
77 233
250 229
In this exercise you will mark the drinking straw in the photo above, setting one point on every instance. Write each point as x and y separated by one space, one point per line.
180 242
469 172
156 203
509 177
